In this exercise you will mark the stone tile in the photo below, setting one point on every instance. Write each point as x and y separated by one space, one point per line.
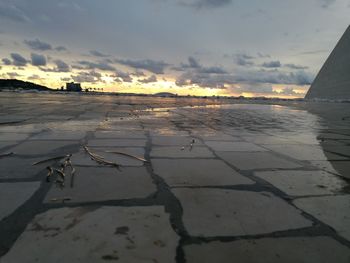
320 249
119 134
25 128
4 144
256 160
342 168
267 139
344 150
299 152
13 195
333 136
165 131
40 147
105 183
324 165
15 168
198 172
63 135
214 212
302 183
10 136
178 152
302 137
234 146
332 210
182 141
82 158
117 142
84 234
218 137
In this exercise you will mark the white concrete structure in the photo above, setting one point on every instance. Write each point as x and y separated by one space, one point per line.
333 80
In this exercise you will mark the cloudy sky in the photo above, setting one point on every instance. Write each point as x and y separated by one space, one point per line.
200 47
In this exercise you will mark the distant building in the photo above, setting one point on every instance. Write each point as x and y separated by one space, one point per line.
73 87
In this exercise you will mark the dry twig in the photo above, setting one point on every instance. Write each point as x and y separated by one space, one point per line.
99 160
129 155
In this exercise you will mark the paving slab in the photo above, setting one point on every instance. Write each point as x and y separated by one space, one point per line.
62 135
165 131
117 142
15 168
40 147
256 160
324 165
300 152
119 134
344 150
182 141
320 249
93 184
106 234
216 212
198 172
179 152
4 144
332 210
342 168
217 136
303 183
13 195
223 146
267 139
333 136
24 128
82 158
13 136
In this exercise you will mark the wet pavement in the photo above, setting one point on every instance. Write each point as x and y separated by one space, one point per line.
173 180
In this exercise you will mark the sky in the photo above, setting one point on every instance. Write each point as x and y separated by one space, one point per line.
268 48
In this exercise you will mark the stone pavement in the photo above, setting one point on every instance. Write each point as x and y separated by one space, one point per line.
221 183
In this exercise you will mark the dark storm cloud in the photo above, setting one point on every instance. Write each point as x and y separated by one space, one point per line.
243 60
97 54
97 65
61 48
212 70
18 60
6 61
121 75
293 66
12 12
138 73
276 77
194 65
61 66
156 67
252 76
272 64
150 79
205 3
38 60
38 45
88 77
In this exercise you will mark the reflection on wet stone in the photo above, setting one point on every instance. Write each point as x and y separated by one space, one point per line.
173 180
